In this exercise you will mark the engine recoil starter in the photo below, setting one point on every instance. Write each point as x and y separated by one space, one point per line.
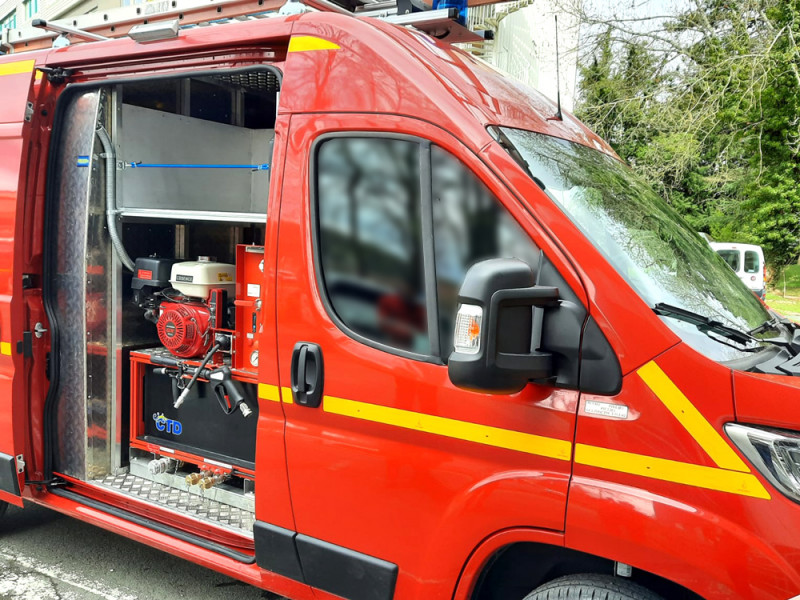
183 328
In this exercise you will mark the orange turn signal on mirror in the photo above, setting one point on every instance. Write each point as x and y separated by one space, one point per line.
467 334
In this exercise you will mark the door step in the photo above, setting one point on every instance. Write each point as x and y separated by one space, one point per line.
187 502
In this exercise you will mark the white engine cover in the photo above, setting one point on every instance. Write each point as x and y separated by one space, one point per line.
198 278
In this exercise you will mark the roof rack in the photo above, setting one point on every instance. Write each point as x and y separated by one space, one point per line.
118 22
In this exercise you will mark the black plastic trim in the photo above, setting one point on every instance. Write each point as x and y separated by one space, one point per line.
600 369
562 326
345 572
9 481
429 249
189 74
155 526
276 550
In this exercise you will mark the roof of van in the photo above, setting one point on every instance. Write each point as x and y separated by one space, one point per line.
371 66
736 246
391 69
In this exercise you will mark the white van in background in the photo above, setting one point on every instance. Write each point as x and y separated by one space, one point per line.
747 260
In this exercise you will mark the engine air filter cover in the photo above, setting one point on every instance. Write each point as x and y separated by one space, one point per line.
198 278
183 328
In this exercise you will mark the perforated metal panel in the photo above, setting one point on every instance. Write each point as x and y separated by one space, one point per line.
183 501
70 215
256 81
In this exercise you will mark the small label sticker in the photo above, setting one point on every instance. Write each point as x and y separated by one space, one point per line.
606 409
218 464
253 290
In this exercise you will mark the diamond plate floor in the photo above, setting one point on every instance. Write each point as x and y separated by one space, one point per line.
181 501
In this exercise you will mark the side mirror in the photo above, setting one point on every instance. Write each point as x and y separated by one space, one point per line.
495 335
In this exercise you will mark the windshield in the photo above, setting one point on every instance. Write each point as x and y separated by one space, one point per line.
646 241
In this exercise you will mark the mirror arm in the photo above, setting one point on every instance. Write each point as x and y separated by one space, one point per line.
539 296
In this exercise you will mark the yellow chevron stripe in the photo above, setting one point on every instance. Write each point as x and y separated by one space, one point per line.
710 478
739 481
694 422
306 43
15 68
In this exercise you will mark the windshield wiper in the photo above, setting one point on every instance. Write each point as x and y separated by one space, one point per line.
775 322
706 324
788 333
771 323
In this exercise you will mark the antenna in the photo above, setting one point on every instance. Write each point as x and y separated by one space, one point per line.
557 116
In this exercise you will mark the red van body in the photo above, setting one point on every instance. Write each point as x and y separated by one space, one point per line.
396 483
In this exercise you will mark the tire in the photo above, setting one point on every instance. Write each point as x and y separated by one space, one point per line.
591 587
3 508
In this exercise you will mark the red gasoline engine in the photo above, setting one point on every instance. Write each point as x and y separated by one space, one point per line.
189 315
184 328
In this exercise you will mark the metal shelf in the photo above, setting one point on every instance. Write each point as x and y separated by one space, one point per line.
193 215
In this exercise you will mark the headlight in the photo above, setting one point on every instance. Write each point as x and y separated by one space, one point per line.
774 452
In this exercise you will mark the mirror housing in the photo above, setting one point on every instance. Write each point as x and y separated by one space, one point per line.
496 335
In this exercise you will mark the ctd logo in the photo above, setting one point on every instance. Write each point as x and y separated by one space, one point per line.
168 425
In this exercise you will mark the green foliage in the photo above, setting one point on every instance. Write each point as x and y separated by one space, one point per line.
707 108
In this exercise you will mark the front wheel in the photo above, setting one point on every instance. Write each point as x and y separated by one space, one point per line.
591 587
3 508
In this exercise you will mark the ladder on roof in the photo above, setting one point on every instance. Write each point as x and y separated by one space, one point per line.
118 22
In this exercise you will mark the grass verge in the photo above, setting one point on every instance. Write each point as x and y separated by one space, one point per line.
790 305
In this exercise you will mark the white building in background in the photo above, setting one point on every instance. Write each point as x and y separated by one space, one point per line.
14 14
525 45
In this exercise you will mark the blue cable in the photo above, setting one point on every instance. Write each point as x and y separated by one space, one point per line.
139 165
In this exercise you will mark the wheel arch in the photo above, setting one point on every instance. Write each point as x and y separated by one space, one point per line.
514 562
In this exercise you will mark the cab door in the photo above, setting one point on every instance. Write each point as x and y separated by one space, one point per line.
17 77
395 474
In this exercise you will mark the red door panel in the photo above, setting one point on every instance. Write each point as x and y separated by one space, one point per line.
396 463
16 81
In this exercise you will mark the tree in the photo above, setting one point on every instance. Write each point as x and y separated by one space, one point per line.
704 102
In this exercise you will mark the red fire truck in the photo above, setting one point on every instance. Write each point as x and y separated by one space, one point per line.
328 305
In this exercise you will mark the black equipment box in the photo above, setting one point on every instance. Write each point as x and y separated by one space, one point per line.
199 426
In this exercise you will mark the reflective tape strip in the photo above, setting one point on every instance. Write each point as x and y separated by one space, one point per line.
710 478
269 392
460 430
15 68
735 479
701 430
305 43
286 394
5 348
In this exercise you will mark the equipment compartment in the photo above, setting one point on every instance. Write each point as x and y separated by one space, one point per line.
161 209
199 427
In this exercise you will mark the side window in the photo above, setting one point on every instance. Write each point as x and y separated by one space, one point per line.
751 262
731 257
373 202
469 225
370 245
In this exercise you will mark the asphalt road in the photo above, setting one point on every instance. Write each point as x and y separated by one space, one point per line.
47 556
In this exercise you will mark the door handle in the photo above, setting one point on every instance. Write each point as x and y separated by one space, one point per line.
307 374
